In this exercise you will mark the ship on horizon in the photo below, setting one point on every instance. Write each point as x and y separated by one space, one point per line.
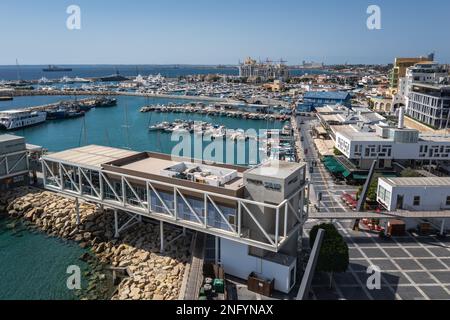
53 68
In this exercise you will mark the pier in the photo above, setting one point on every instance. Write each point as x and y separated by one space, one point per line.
214 111
27 93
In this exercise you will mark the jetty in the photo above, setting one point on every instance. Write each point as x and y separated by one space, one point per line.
214 110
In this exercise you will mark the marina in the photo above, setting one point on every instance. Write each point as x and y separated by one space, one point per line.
222 110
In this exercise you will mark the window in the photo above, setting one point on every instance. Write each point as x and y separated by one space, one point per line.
293 181
416 201
255 182
448 201
272 186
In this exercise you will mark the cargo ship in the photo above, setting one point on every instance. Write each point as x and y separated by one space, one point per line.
52 68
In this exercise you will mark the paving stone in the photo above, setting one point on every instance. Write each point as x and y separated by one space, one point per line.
395 278
432 264
442 276
446 261
421 277
440 252
384 293
409 293
419 252
384 264
359 265
407 264
323 293
355 253
435 293
374 253
396 253
354 294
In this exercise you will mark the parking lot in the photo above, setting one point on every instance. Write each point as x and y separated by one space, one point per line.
412 268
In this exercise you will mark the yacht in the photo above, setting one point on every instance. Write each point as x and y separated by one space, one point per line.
17 119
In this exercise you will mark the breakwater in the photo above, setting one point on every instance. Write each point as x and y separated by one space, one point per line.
214 110
149 273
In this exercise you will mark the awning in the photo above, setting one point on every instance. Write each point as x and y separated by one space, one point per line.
333 165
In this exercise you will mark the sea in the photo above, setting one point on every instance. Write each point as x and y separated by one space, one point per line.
32 265
10 73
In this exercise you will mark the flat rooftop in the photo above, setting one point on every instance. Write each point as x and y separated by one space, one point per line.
92 156
154 165
352 133
418 182
276 169
9 137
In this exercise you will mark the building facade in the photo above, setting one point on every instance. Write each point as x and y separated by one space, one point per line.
255 214
17 159
399 69
265 71
417 195
387 144
315 99
430 104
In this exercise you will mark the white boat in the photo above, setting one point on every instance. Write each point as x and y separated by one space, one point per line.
17 119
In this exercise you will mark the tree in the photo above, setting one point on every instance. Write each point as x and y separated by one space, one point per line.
373 189
337 152
333 256
410 173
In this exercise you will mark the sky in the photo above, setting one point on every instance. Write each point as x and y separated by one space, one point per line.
220 31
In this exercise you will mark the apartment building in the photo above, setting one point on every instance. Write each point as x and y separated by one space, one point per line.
429 103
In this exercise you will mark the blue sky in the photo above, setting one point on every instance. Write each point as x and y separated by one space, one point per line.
220 31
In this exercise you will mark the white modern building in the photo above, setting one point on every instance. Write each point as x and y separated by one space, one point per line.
387 144
430 104
256 215
425 91
416 195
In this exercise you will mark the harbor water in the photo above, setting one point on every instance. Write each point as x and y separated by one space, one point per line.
123 126
86 71
33 266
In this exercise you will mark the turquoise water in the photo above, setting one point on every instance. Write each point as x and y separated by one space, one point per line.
122 126
33 266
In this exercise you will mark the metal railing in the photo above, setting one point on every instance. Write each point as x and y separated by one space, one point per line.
135 194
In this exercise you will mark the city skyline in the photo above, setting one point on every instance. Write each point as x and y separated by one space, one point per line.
203 33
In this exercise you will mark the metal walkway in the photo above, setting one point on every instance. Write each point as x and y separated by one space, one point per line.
195 277
374 215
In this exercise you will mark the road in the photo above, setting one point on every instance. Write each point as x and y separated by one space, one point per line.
321 180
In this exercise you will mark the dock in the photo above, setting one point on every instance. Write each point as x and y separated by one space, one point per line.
213 110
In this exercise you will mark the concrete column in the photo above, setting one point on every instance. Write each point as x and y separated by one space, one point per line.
161 232
442 227
116 224
77 210
184 232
